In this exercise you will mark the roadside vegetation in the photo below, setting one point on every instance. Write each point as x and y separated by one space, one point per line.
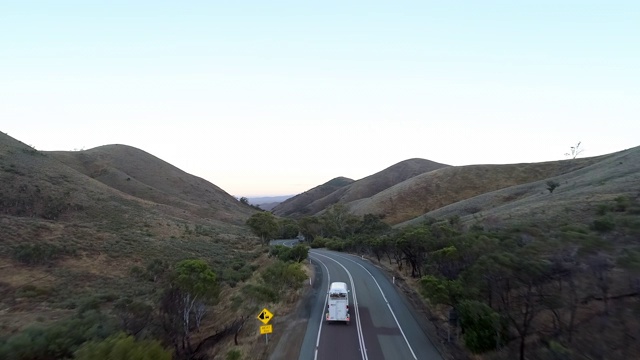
109 265
560 289
189 297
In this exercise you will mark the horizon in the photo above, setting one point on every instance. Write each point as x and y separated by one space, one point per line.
280 98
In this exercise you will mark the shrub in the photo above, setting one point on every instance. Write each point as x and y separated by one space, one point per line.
260 294
602 209
122 347
281 276
622 203
57 341
31 291
552 185
37 254
481 326
234 354
318 242
335 244
279 251
297 253
603 224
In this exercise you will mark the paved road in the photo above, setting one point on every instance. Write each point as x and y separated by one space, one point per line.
382 324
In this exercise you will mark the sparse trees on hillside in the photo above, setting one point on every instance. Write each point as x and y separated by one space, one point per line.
532 290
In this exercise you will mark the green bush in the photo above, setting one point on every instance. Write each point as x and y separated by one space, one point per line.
282 276
31 291
297 253
260 293
279 251
122 347
40 253
603 224
234 354
335 244
552 185
603 209
481 326
57 341
622 203
318 242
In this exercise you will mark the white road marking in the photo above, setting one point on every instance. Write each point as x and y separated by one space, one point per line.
385 299
363 349
315 356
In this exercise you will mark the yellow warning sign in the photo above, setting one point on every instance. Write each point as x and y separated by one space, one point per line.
264 316
266 329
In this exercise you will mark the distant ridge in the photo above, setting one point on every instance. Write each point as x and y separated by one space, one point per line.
298 205
583 183
433 190
142 175
360 189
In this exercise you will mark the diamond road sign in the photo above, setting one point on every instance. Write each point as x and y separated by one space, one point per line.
266 329
264 316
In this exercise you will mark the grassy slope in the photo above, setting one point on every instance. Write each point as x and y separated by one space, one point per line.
363 188
564 223
435 189
143 175
98 235
298 205
580 190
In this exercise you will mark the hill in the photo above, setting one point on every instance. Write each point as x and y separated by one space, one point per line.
298 205
99 226
433 190
268 202
364 188
144 176
583 184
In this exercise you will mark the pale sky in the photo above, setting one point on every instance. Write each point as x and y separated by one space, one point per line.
277 97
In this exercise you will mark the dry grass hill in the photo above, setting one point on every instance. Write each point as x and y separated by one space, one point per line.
144 176
583 185
299 204
81 228
417 188
361 189
433 190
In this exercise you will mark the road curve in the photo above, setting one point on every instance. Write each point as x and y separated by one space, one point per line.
382 325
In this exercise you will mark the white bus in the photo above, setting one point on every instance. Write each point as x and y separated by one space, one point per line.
338 303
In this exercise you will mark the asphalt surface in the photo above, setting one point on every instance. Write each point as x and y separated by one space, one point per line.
382 324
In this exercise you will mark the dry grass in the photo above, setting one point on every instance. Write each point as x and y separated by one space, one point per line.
299 204
587 184
409 190
96 227
315 201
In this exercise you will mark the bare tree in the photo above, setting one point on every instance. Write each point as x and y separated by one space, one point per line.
575 151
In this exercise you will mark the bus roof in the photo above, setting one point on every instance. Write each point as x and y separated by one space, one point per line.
338 286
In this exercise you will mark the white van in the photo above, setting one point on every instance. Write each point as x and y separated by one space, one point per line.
338 302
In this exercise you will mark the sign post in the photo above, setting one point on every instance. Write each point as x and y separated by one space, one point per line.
265 316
